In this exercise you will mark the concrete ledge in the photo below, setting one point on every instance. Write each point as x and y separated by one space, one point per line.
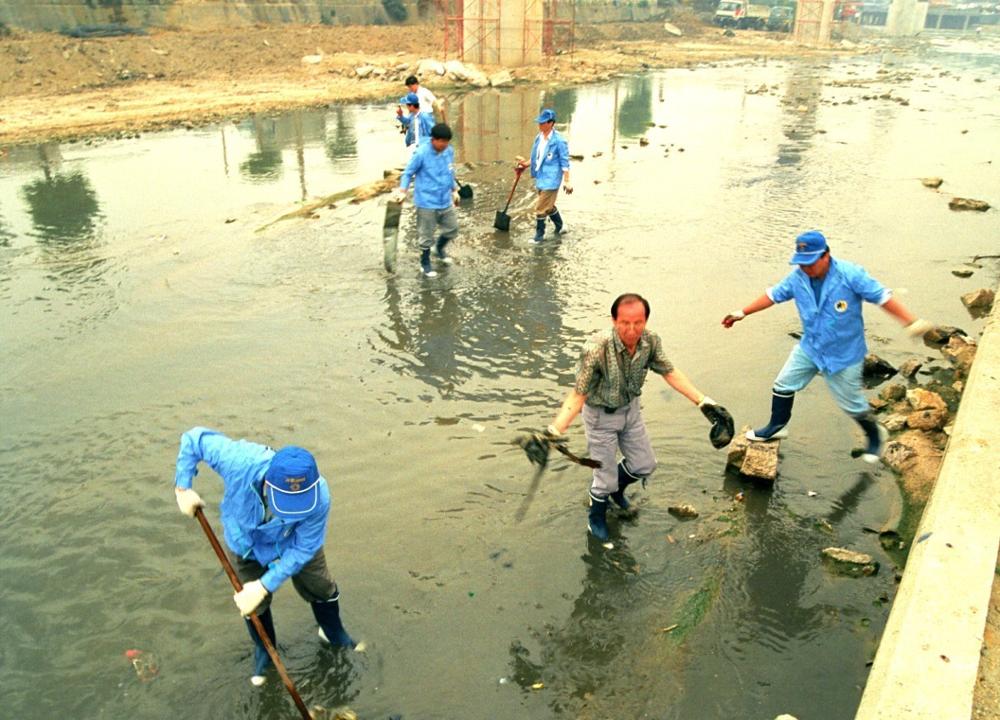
929 654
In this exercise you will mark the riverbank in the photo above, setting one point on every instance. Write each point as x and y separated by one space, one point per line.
929 658
56 87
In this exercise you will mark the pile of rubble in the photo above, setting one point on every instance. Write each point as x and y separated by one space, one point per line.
452 71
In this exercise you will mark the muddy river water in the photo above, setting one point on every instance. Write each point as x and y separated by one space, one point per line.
140 300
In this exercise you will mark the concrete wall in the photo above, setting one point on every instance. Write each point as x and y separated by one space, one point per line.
59 14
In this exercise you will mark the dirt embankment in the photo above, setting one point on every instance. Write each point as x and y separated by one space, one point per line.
58 87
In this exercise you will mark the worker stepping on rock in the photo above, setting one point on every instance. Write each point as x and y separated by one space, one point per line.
781 413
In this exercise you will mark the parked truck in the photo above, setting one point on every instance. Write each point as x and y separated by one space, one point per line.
741 14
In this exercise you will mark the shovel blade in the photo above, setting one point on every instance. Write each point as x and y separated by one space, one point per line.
502 221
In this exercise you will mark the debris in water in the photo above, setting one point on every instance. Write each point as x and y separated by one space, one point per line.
669 628
932 182
958 203
146 667
683 511
538 686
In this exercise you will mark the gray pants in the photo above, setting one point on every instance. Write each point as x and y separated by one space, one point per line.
313 581
609 431
428 221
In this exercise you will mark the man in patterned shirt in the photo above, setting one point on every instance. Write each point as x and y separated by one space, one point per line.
613 367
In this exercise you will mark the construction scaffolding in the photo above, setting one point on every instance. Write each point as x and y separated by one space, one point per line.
508 33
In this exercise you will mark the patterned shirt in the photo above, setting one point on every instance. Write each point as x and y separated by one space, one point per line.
612 378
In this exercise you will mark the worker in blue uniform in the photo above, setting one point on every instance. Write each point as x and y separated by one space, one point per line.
549 164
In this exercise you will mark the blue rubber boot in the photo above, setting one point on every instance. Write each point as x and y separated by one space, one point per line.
781 413
596 517
876 436
557 220
330 628
261 660
442 254
539 230
625 478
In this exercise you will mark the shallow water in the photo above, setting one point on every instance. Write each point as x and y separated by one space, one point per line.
140 301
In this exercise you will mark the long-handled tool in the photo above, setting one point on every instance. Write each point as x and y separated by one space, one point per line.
261 633
502 221
536 446
390 234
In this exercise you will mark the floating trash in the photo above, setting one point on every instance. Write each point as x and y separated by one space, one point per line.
145 665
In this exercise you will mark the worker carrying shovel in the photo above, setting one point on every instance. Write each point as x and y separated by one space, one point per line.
274 513
613 368
549 163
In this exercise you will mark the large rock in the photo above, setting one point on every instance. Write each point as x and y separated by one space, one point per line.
916 455
892 392
894 422
501 79
672 29
981 299
753 459
940 334
960 352
429 66
457 70
921 399
968 204
476 78
910 368
876 367
364 70
850 562
927 419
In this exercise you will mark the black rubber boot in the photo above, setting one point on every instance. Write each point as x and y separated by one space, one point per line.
876 436
327 614
539 230
261 660
625 478
557 220
425 263
596 515
781 413
443 256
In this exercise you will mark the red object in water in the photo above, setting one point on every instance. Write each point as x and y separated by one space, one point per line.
144 664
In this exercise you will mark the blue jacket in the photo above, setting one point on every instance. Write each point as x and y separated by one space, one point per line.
833 331
422 127
549 175
282 546
433 173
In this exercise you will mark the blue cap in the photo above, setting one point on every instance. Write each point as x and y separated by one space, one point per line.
411 99
291 483
546 115
809 246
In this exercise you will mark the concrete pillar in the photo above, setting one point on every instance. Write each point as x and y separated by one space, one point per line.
503 32
902 20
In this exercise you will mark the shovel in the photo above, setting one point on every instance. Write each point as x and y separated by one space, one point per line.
390 234
502 221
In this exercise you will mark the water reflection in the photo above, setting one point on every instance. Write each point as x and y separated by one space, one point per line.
342 143
63 206
5 235
802 97
502 322
562 101
635 111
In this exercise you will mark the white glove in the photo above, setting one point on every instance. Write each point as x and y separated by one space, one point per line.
733 318
456 198
568 188
706 400
188 501
398 195
252 595
918 328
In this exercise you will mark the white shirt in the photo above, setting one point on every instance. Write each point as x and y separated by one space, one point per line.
541 149
427 100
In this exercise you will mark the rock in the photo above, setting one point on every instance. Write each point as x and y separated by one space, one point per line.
932 182
894 422
962 272
729 33
958 203
683 511
876 367
672 29
877 404
850 562
908 369
960 352
981 299
364 71
477 78
643 141
312 59
893 392
457 70
921 399
501 79
916 455
929 419
429 66
940 334
753 459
